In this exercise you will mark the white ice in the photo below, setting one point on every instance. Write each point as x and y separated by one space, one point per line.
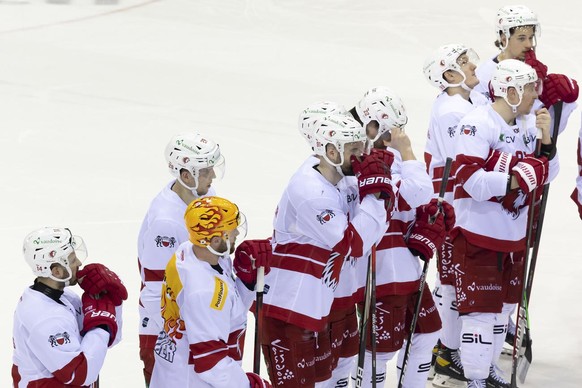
90 94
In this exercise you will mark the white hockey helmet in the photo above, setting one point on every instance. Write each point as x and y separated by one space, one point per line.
316 111
512 16
512 73
338 130
47 246
193 152
382 105
447 58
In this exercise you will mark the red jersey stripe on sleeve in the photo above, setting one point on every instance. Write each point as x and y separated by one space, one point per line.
205 355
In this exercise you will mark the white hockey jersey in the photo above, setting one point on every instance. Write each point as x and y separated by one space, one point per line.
162 231
204 313
577 194
478 193
442 128
397 269
314 236
49 350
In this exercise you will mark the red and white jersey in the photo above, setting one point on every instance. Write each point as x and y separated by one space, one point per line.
577 194
484 72
478 193
442 130
162 231
204 313
49 350
315 238
397 269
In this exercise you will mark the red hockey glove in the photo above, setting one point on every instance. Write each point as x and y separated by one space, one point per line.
447 210
531 172
99 313
425 235
374 177
250 255
97 279
574 197
257 381
500 161
540 68
558 87
384 155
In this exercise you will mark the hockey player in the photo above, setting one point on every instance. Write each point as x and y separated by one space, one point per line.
60 339
577 193
316 239
451 69
398 270
492 198
204 309
195 162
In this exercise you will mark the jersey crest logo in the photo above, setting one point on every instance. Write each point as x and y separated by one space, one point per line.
59 339
469 130
451 131
165 347
325 216
220 294
331 271
165 241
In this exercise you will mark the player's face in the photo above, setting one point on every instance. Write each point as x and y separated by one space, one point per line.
74 264
521 41
356 149
205 178
528 99
468 69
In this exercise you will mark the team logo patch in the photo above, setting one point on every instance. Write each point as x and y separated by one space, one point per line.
165 241
451 131
468 130
59 339
325 216
220 294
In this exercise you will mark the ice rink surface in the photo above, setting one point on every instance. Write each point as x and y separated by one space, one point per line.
91 93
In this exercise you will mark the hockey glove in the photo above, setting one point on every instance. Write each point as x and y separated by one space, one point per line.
97 279
447 209
500 161
374 176
250 255
558 87
427 233
99 313
531 172
257 381
540 68
574 197
384 155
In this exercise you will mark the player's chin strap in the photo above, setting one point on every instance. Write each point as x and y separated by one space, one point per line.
214 251
191 188
67 280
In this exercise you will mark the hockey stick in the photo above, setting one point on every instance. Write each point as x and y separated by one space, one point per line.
373 313
260 288
364 320
525 359
441 198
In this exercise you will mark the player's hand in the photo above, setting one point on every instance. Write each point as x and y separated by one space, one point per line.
99 313
540 68
257 381
374 177
543 121
500 161
249 256
427 233
558 87
531 172
97 279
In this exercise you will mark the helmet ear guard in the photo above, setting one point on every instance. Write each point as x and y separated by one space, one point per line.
45 247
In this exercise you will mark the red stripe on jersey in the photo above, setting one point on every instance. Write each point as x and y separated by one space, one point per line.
427 160
153 275
205 355
302 258
236 344
15 376
304 321
75 372
466 166
489 242
402 205
437 178
351 244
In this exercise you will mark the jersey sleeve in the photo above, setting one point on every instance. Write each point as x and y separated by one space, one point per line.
71 361
414 186
209 352
472 148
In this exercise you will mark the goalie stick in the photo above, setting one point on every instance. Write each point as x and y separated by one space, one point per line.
525 358
441 197
260 288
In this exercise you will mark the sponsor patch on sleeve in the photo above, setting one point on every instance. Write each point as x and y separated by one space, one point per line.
220 293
